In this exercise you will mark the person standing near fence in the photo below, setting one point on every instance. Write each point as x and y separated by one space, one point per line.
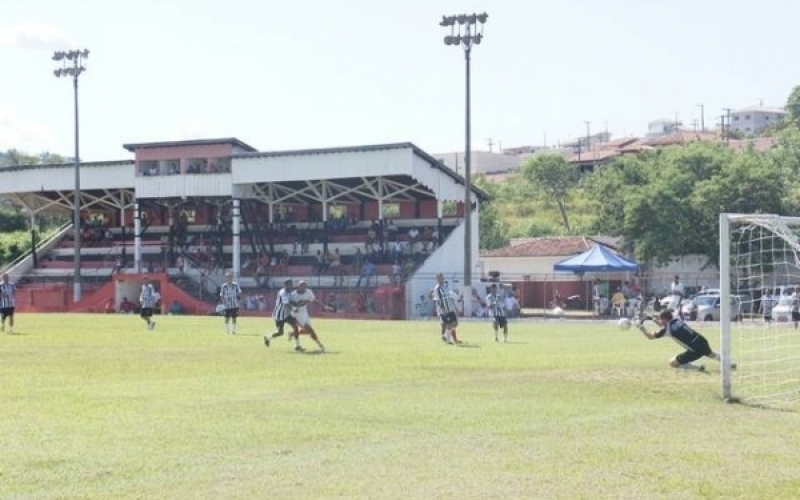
8 292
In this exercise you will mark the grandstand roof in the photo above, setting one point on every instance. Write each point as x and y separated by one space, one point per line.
435 163
195 142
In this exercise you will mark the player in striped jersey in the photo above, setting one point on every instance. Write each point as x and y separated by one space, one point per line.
282 314
446 308
497 309
7 303
230 294
147 299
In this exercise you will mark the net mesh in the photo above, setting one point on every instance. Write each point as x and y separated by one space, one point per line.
765 340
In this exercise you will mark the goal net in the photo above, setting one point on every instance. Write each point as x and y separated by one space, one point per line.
759 272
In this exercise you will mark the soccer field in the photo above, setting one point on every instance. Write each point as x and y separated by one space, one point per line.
95 407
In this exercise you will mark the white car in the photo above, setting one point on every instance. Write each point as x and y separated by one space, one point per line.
783 310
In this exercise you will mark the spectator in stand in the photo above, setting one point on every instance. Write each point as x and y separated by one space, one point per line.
126 306
336 268
397 273
427 239
176 308
413 236
109 236
372 235
377 253
358 259
366 272
110 305
392 230
398 249
319 263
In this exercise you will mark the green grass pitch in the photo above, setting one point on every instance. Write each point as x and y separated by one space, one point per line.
95 407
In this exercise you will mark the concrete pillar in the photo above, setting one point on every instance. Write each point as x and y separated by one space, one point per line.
137 238
237 247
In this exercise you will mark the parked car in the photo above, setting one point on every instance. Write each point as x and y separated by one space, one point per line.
707 308
783 310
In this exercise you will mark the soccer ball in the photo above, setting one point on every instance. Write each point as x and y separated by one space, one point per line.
624 323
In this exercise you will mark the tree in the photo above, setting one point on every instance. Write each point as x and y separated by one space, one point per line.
555 179
493 229
793 106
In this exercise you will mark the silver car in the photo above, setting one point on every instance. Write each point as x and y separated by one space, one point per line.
707 308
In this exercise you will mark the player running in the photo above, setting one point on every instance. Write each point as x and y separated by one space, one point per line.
303 297
446 308
497 310
147 299
230 294
282 314
695 344
8 291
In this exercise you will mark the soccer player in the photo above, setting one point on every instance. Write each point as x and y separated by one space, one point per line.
446 308
230 294
282 314
497 310
695 344
304 297
676 295
7 302
147 299
796 306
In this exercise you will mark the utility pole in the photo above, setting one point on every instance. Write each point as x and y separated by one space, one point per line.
702 117
694 125
466 31
728 121
490 143
72 66
588 135
722 127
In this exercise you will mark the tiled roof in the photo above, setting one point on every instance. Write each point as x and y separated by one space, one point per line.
594 155
759 143
547 246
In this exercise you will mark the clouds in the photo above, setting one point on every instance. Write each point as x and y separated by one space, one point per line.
35 36
30 137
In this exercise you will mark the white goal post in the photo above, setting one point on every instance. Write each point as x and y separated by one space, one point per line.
759 263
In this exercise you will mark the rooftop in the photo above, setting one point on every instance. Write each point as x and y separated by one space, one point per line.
760 109
195 142
549 246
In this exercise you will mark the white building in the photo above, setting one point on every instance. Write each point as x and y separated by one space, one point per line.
754 119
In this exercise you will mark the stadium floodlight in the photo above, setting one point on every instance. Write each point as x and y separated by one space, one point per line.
467 33
759 265
72 66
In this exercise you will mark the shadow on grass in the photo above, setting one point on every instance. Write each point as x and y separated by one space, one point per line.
464 345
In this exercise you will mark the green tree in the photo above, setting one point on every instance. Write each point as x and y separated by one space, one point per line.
493 230
793 106
555 179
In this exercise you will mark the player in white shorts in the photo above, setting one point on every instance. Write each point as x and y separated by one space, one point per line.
303 297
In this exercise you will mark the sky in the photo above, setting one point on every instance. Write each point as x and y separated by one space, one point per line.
294 74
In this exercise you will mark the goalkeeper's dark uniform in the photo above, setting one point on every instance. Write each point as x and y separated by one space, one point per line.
695 344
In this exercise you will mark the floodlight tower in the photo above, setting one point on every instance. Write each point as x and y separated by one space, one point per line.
72 65
466 31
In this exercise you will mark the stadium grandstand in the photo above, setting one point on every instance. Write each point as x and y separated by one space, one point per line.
367 227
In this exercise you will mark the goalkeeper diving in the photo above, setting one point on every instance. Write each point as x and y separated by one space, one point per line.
695 344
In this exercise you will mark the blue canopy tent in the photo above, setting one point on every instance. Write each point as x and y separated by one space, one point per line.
596 259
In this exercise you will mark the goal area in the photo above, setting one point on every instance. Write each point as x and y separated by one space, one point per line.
759 262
